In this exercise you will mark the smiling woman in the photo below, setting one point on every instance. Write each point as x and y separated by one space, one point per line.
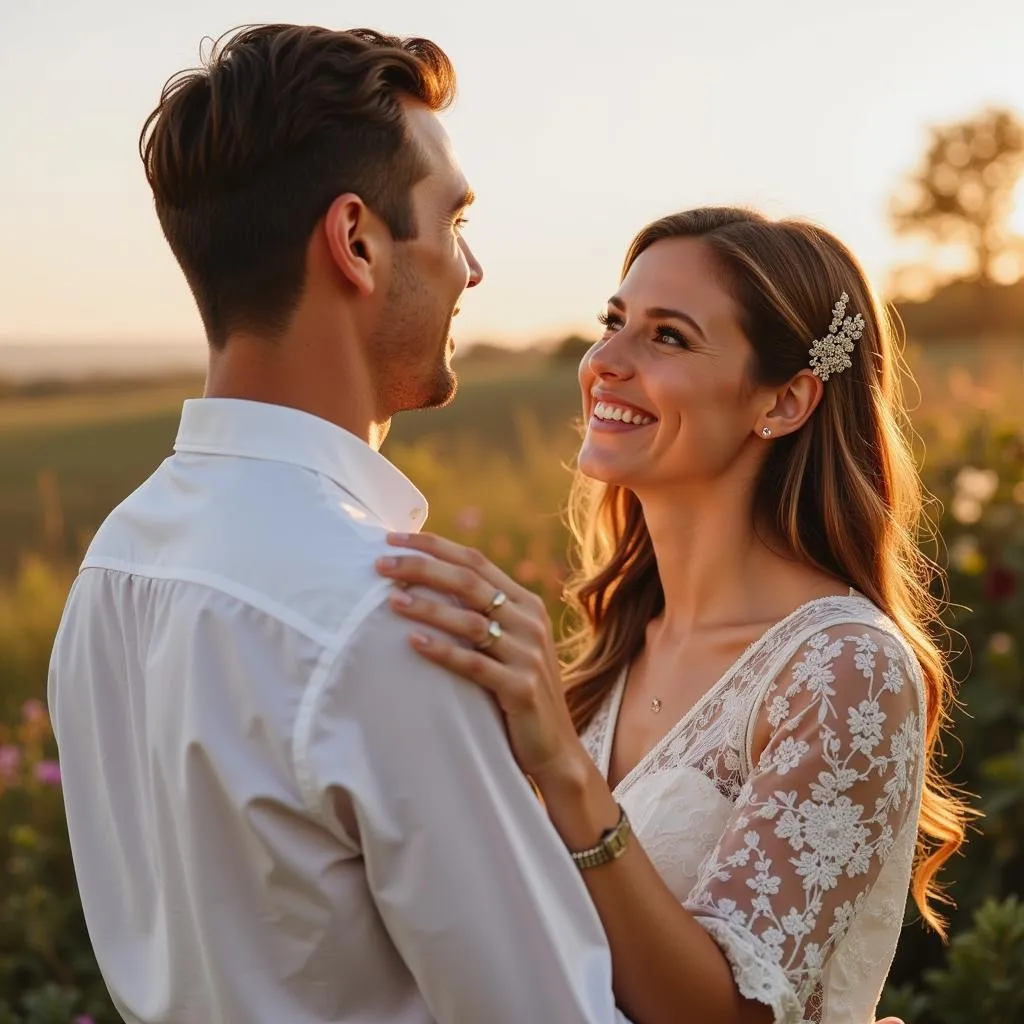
752 692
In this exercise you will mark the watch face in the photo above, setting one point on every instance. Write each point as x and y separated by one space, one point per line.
615 839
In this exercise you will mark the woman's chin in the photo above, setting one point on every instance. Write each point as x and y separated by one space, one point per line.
603 466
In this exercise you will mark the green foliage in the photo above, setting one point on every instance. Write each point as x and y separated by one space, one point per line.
30 607
982 981
976 470
47 971
992 953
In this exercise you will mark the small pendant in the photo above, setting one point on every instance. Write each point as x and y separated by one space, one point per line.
656 705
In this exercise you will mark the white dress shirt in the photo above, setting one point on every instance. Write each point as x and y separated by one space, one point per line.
279 812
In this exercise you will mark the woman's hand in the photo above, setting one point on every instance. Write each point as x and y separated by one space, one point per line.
515 660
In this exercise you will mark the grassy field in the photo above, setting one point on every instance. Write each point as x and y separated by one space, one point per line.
66 460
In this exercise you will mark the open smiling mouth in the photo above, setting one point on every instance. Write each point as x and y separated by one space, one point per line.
607 415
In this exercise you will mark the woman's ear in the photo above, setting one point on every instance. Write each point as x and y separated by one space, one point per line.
357 240
792 405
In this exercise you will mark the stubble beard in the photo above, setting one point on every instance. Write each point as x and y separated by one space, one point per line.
411 347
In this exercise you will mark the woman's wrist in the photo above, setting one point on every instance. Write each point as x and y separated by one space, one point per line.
566 776
577 798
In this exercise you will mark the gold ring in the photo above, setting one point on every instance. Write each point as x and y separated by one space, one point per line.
494 632
500 597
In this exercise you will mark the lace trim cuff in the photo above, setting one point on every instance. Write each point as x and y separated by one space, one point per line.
756 976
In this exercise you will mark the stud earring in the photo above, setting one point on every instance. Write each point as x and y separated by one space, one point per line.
766 431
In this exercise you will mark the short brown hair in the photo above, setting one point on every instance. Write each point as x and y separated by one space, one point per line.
245 154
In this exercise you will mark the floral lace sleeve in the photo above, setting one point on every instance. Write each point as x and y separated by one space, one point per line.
818 815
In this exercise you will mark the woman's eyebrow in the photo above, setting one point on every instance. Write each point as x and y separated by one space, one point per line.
661 313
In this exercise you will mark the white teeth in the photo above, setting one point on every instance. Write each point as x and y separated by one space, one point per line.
607 411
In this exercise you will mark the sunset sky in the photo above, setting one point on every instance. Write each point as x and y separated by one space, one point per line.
576 123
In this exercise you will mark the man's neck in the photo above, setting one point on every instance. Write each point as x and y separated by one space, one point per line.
261 371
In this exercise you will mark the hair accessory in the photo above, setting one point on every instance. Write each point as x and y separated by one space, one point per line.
830 354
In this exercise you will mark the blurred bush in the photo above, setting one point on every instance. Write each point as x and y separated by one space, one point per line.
983 978
47 971
507 502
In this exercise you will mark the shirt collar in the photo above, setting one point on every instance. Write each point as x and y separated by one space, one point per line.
260 430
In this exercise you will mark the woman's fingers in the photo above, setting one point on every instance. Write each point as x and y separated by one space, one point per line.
504 682
458 554
462 623
465 584
539 726
510 654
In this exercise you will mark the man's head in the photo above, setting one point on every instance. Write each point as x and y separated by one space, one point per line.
304 181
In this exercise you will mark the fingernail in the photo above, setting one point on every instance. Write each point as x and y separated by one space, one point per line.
403 600
420 639
387 563
398 537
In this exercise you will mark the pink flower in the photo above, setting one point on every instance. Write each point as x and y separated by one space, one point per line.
526 571
48 773
10 762
33 711
469 518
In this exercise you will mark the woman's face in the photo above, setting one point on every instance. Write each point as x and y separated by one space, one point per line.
673 369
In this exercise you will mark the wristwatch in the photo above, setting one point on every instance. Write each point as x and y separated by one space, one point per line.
610 846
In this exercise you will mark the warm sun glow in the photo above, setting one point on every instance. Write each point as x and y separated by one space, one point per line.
1017 214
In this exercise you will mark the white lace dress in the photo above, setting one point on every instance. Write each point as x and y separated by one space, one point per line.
797 859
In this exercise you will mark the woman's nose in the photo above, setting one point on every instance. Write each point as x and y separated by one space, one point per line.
609 358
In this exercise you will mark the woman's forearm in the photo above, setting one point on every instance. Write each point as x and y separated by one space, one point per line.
666 966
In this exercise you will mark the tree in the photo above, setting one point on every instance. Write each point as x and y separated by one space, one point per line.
962 195
571 349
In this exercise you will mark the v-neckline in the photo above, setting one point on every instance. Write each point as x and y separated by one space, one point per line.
611 726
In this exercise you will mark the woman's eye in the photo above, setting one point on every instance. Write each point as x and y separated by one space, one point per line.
663 334
670 336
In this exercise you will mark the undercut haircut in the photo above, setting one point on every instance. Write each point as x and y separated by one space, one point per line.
246 153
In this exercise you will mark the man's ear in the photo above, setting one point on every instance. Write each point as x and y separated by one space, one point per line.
357 240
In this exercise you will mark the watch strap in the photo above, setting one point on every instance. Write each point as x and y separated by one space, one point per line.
610 846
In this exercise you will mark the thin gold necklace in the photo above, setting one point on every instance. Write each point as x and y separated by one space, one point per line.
656 703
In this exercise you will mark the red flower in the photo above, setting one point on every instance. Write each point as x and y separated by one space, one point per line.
1000 584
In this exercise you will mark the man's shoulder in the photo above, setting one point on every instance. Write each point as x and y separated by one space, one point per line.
284 545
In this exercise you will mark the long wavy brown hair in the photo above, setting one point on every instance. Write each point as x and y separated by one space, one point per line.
842 494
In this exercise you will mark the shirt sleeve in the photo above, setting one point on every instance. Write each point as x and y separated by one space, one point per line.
475 887
818 816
